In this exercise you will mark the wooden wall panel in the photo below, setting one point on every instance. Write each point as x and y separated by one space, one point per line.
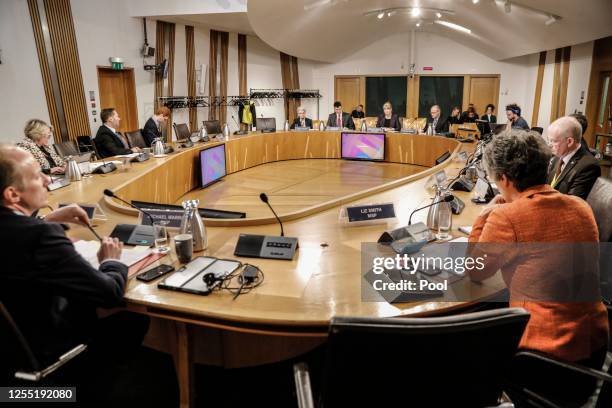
566 57
212 73
602 62
191 75
223 62
538 89
554 105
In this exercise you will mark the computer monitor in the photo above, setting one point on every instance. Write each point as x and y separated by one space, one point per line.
212 165
363 146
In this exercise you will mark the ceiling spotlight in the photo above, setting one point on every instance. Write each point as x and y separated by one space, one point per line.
415 12
439 15
389 14
475 1
551 20
419 24
507 6
381 15
453 26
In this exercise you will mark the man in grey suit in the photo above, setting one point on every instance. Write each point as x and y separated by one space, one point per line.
340 119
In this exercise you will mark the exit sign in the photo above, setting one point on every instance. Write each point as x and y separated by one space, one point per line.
427 68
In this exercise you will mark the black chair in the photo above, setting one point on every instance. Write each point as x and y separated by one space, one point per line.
135 139
599 199
266 124
422 362
65 149
182 131
86 144
538 129
213 127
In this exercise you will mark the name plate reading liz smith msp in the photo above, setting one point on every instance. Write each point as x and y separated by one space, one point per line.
371 212
172 216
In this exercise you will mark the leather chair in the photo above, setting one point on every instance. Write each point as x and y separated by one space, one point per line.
266 124
86 144
599 199
538 129
407 123
65 149
135 139
371 121
182 131
457 361
213 127
357 122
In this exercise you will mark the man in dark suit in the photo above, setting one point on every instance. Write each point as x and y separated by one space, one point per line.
438 124
52 292
489 114
358 113
108 141
572 170
340 119
151 130
301 120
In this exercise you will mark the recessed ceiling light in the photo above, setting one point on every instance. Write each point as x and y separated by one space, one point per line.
415 12
381 14
551 20
439 15
454 26
475 1
418 24
389 14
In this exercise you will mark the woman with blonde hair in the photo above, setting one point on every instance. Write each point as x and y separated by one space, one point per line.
36 141
388 120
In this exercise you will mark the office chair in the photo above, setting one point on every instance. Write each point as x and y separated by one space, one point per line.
213 127
135 139
21 363
65 149
538 129
182 131
266 124
454 361
86 144
599 199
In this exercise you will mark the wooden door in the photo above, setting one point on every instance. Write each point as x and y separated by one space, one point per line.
348 91
604 104
483 91
118 90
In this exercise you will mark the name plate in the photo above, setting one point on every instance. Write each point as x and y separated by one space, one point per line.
373 212
172 216
301 128
462 156
441 178
332 128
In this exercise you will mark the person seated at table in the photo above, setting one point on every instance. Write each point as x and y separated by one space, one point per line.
52 294
455 117
388 119
301 120
108 141
436 122
584 124
526 233
339 118
573 170
515 120
489 114
152 128
466 117
358 112
36 141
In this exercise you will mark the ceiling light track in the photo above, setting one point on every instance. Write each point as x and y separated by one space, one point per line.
413 11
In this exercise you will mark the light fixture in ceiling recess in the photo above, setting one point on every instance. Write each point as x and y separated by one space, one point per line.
551 20
475 1
415 12
453 26
507 6
439 15
380 15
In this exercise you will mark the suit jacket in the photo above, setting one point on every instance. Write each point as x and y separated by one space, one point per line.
150 132
49 289
395 122
543 279
358 115
296 123
441 126
347 120
493 118
108 143
578 176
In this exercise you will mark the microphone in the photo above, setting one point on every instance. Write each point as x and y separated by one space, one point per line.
109 193
447 199
264 197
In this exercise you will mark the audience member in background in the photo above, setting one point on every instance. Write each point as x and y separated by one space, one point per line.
515 121
438 124
340 119
36 141
301 120
52 293
542 241
573 170
455 117
388 119
152 128
584 123
108 141
489 114
466 117
358 112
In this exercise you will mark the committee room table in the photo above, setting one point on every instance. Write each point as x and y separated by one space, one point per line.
290 312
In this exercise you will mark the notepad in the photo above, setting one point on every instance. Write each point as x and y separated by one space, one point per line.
129 256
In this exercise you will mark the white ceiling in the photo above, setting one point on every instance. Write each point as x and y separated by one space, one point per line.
232 22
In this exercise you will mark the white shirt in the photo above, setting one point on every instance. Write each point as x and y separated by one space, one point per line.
112 129
568 156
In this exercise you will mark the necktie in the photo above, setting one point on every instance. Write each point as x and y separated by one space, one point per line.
557 173
435 123
338 120
121 140
302 123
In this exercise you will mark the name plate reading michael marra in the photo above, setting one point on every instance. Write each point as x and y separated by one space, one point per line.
172 216
370 212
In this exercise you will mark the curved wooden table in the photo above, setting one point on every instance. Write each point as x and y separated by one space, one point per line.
298 298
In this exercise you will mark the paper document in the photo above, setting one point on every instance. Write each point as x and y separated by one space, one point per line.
129 256
466 230
131 155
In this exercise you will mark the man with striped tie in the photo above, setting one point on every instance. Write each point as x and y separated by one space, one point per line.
340 119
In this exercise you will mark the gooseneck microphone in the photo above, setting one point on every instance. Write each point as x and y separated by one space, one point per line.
109 193
447 199
264 197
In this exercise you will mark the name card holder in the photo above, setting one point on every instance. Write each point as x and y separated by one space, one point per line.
367 214
158 214
94 211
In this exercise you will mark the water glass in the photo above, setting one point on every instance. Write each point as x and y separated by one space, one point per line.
444 221
160 233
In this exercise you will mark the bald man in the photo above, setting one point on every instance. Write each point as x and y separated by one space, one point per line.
438 124
573 170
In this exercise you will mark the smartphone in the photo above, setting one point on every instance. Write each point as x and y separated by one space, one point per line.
154 273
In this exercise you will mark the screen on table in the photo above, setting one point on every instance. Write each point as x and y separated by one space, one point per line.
212 164
363 146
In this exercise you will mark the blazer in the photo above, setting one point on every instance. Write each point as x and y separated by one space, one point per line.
347 120
150 132
441 126
108 143
296 123
569 330
28 144
358 115
395 122
493 118
578 176
49 289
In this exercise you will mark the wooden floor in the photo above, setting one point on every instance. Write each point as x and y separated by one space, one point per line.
296 184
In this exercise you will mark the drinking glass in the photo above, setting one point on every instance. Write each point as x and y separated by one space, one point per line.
444 221
160 232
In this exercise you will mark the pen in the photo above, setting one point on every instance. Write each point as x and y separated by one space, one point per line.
94 232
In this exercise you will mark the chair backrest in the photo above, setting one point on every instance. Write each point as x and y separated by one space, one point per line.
266 123
68 148
135 139
357 122
599 199
438 361
538 129
213 127
15 352
182 131
371 121
86 144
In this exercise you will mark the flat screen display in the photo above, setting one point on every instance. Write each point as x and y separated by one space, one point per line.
363 146
212 164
